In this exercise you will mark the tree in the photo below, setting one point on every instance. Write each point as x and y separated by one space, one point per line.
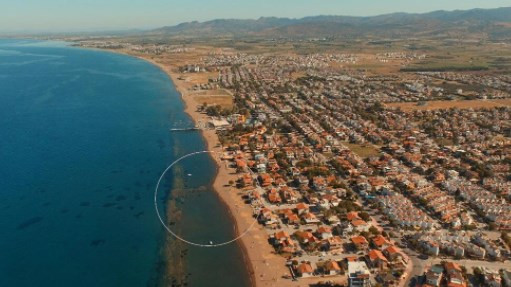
374 230
478 274
365 234
464 270
364 216
506 238
214 111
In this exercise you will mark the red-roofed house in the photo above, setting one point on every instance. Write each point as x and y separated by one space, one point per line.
246 180
331 267
305 270
393 253
375 259
310 218
280 236
360 225
324 232
266 179
305 237
352 215
380 242
274 197
334 245
292 218
360 242
302 208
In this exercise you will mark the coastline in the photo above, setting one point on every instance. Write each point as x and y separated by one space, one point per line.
222 174
264 267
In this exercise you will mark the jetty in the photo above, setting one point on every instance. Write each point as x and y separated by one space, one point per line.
199 126
184 129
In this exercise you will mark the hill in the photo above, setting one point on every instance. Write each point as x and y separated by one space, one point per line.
490 24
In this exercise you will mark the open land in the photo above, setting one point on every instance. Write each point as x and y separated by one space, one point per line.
438 105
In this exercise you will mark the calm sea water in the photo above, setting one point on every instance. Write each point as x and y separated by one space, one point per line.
84 135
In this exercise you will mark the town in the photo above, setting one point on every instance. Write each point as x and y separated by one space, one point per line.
361 177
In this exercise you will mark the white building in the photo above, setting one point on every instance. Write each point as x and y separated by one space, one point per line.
358 274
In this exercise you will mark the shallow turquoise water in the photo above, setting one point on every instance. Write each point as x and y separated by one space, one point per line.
83 139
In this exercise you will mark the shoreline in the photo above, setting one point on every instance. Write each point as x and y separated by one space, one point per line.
263 265
212 143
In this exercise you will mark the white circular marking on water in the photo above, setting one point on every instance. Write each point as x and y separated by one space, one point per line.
172 232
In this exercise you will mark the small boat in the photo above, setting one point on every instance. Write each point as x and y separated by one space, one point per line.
189 174
210 242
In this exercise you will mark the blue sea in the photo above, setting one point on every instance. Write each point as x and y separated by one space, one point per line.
84 136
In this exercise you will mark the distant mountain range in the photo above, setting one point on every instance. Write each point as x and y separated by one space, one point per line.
492 24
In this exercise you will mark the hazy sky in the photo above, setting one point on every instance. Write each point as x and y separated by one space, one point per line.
75 15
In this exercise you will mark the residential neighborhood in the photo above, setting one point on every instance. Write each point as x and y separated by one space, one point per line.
361 179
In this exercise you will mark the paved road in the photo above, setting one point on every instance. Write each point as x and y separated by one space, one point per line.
418 266
469 264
